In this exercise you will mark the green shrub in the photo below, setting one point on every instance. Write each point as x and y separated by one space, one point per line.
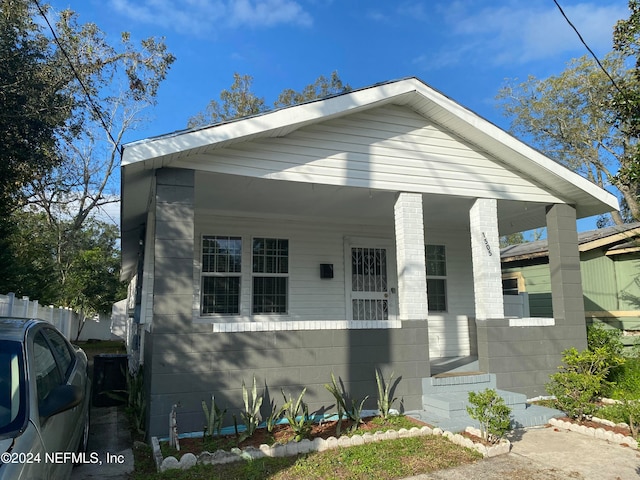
580 381
626 379
607 341
489 409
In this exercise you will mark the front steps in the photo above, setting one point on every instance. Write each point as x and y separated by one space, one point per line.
445 401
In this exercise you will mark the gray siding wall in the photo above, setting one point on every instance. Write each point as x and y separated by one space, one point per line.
189 367
521 357
185 363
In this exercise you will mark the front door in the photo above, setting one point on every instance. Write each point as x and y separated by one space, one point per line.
372 293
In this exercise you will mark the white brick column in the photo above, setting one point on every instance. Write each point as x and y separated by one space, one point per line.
412 277
485 252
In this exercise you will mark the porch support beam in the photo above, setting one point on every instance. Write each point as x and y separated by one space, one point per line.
412 277
485 252
566 281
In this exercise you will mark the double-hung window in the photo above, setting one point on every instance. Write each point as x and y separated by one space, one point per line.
270 269
221 275
436 263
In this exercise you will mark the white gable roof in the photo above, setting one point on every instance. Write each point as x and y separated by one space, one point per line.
198 147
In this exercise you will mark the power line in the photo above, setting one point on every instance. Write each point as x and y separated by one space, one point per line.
613 82
92 104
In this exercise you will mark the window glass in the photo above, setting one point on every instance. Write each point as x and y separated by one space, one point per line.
61 349
510 286
47 373
221 254
220 295
269 295
437 294
436 265
13 403
436 261
221 269
270 255
270 265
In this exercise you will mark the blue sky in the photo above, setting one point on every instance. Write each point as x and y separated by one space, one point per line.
464 48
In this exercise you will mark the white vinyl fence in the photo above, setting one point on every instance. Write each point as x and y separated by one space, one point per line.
64 319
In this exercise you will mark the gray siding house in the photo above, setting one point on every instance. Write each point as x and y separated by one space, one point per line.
354 232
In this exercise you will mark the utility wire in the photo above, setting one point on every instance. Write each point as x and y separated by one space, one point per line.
613 82
92 104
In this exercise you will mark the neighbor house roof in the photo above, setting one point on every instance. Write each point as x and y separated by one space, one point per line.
140 159
617 239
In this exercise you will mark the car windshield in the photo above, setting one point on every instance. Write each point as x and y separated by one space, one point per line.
13 402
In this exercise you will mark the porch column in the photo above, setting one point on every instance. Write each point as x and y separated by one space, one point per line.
485 252
566 281
412 276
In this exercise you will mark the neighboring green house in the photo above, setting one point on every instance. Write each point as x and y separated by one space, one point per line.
610 268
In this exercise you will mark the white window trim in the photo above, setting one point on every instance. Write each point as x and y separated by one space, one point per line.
246 322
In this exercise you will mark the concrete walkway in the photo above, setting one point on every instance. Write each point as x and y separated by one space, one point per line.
551 454
110 440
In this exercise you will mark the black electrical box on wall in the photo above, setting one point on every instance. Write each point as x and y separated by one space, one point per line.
326 270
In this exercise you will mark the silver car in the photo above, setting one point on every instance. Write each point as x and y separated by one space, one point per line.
44 401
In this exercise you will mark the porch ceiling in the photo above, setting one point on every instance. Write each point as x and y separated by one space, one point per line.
236 195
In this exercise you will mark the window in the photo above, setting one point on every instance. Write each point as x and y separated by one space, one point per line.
436 263
61 349
270 268
221 270
513 283
47 373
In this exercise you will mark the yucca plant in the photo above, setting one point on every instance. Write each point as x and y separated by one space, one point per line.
274 416
251 415
355 413
385 401
338 394
214 417
297 414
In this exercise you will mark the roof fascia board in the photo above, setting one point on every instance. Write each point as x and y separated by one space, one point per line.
601 242
498 135
300 114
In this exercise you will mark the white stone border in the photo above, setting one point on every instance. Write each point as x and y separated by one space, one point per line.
599 433
188 460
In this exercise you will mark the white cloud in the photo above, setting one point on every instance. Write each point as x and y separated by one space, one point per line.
521 32
200 17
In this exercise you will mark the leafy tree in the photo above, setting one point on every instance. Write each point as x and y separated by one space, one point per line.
33 109
512 239
102 90
88 277
570 118
322 87
239 101
626 103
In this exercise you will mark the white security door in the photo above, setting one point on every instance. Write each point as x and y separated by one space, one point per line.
372 296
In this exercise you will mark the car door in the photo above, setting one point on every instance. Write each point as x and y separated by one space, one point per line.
57 431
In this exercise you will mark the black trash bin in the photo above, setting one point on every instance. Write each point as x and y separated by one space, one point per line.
109 380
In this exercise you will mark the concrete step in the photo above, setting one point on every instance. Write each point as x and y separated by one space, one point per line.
458 383
450 405
531 416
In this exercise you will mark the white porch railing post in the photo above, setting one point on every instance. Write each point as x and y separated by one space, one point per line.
12 299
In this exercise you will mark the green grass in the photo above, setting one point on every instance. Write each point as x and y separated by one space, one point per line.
386 460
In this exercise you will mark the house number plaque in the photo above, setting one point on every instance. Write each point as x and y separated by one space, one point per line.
486 244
